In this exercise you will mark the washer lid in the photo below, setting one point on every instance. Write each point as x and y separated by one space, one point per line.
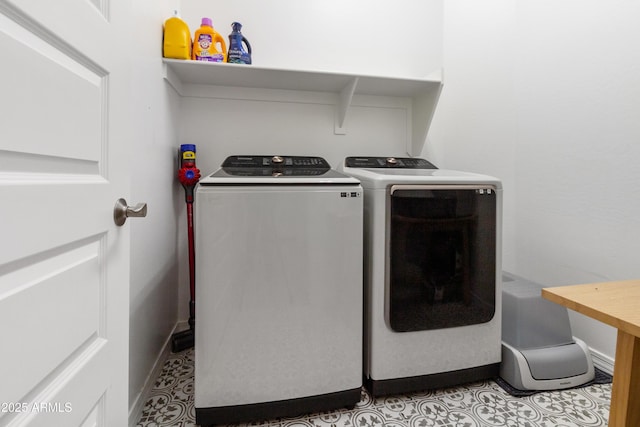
269 170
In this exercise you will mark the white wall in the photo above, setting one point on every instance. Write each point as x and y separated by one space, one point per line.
583 83
154 266
403 37
546 96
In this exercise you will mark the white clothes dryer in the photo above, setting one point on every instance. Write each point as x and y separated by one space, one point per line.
279 289
432 274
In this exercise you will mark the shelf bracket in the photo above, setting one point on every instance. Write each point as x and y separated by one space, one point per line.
172 78
422 112
344 102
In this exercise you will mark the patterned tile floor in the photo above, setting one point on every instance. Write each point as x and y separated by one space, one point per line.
481 404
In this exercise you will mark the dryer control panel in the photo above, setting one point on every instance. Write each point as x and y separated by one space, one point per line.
388 162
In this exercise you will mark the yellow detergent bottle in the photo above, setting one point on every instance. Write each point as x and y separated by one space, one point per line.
177 38
206 42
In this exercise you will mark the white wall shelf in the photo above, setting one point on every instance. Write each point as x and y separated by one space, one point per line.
342 87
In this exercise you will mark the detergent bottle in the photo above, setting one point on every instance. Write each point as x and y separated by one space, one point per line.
176 42
237 52
205 44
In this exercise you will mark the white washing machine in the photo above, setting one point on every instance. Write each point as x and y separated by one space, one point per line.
432 274
279 289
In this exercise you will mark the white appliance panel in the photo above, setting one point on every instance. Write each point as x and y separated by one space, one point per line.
277 293
407 354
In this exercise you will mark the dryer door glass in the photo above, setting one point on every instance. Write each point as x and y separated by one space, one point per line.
442 253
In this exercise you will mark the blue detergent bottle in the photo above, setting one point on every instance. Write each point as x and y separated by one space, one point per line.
239 47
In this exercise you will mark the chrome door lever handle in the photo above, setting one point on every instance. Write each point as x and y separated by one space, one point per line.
138 211
121 211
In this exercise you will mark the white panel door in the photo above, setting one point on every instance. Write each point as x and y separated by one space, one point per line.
64 264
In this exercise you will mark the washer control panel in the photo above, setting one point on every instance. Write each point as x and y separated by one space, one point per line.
275 165
388 162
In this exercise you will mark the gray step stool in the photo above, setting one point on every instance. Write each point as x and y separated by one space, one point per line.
538 349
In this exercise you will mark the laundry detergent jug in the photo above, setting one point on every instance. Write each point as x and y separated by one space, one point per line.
176 38
208 45
239 47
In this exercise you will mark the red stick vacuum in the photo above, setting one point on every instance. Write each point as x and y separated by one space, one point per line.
188 175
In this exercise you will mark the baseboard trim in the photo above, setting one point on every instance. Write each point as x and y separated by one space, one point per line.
135 411
602 361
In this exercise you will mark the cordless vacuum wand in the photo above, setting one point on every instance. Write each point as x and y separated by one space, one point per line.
188 175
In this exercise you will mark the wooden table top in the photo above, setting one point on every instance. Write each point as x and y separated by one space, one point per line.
614 303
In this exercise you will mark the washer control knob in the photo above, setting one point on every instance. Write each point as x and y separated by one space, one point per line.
277 160
391 161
